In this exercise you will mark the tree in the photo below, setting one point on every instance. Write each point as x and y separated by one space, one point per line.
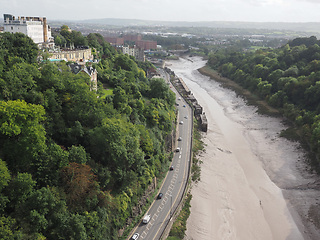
4 181
43 212
20 188
79 184
22 135
19 82
4 175
9 229
18 45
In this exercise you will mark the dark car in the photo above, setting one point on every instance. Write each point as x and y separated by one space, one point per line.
160 196
171 168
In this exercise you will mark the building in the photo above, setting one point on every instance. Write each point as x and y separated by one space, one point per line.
146 45
115 41
77 68
132 38
72 55
138 53
34 27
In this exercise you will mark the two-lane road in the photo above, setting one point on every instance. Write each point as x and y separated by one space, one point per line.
175 181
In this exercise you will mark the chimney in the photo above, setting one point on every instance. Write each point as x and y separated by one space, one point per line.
45 30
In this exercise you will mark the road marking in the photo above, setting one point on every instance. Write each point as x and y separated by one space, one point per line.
172 206
144 234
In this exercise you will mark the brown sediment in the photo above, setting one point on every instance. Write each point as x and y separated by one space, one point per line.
254 184
252 99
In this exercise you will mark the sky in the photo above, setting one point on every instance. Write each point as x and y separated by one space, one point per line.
168 10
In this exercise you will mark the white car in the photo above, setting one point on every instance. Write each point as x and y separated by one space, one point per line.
181 122
180 139
146 219
178 150
135 236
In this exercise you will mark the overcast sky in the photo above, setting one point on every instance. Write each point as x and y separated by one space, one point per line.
168 10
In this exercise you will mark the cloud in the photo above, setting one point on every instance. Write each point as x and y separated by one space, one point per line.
264 2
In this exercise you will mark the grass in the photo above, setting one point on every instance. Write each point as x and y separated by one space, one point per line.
197 146
106 91
180 225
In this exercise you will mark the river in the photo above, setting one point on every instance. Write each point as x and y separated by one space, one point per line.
254 184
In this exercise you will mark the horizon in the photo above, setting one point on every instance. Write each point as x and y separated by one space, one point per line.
261 11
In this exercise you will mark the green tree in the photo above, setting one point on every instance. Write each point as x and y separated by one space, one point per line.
4 175
9 229
22 135
19 82
18 45
20 188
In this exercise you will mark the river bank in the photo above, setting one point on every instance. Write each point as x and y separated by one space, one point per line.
252 180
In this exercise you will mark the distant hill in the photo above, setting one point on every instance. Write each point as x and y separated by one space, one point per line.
305 27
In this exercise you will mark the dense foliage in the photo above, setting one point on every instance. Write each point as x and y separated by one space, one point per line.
73 162
288 78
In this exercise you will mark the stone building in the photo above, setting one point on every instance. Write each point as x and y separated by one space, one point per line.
72 55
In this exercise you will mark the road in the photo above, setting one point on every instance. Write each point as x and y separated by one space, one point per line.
175 181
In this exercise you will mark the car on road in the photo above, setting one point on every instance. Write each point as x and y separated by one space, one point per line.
180 139
171 168
135 236
178 149
146 218
184 105
160 195
186 117
181 122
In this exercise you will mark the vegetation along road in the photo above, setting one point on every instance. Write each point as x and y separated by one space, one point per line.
174 184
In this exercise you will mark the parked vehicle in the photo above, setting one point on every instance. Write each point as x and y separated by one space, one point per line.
178 149
171 168
180 139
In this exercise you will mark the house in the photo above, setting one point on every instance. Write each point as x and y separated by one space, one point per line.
78 68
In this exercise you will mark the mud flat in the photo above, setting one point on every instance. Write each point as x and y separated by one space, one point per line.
254 184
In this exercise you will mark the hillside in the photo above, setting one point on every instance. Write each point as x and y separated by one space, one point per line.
75 162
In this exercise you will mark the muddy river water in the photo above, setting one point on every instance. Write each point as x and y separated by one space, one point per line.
254 184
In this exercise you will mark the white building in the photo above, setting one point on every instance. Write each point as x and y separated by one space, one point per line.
138 53
34 27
